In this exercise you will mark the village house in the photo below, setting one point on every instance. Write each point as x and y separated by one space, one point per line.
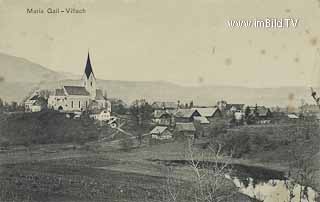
292 116
35 103
232 108
80 98
261 113
201 120
185 115
202 125
185 130
160 133
100 115
210 113
163 118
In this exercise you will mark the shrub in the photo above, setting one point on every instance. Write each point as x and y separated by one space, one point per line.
47 127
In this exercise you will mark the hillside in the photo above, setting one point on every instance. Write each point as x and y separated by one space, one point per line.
20 77
15 69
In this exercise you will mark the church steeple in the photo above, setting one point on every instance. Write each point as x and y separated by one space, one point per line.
89 80
88 70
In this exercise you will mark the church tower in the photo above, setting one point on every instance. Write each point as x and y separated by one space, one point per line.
89 80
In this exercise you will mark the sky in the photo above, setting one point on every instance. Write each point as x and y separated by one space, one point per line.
181 41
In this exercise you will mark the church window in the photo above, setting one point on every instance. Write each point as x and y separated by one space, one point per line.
79 104
71 104
86 104
91 83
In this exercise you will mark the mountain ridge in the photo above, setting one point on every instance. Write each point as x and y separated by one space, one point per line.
21 76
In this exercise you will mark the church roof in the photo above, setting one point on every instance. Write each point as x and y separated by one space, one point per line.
76 90
88 70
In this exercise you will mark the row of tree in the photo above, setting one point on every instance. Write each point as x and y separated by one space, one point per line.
10 107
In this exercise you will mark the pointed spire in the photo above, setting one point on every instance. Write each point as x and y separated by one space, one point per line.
88 69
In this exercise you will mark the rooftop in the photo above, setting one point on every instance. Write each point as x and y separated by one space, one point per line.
158 130
206 111
185 127
76 90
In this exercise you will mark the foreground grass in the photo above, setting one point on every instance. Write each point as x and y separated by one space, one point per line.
94 179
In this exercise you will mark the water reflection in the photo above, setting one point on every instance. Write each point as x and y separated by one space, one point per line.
275 190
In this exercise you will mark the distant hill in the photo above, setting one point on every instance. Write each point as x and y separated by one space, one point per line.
15 69
21 76
201 95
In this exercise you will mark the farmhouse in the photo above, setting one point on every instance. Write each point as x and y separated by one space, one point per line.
163 118
211 113
79 98
201 120
35 103
100 115
261 112
161 133
185 130
185 115
232 108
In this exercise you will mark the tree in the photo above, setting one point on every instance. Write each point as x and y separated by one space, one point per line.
14 106
247 112
141 110
209 171
191 104
1 103
119 109
44 94
248 116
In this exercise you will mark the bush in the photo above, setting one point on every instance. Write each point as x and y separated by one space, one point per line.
47 127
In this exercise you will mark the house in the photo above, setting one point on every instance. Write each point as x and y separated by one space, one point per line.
160 133
164 105
211 113
101 115
261 112
185 115
35 103
232 108
202 125
163 117
201 120
79 98
293 116
185 130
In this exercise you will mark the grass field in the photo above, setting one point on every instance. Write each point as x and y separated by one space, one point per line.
89 179
104 171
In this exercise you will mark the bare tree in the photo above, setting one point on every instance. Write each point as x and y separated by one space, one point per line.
208 174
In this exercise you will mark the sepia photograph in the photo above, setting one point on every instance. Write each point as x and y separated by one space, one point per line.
159 101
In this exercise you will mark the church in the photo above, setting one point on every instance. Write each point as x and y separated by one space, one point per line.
85 97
